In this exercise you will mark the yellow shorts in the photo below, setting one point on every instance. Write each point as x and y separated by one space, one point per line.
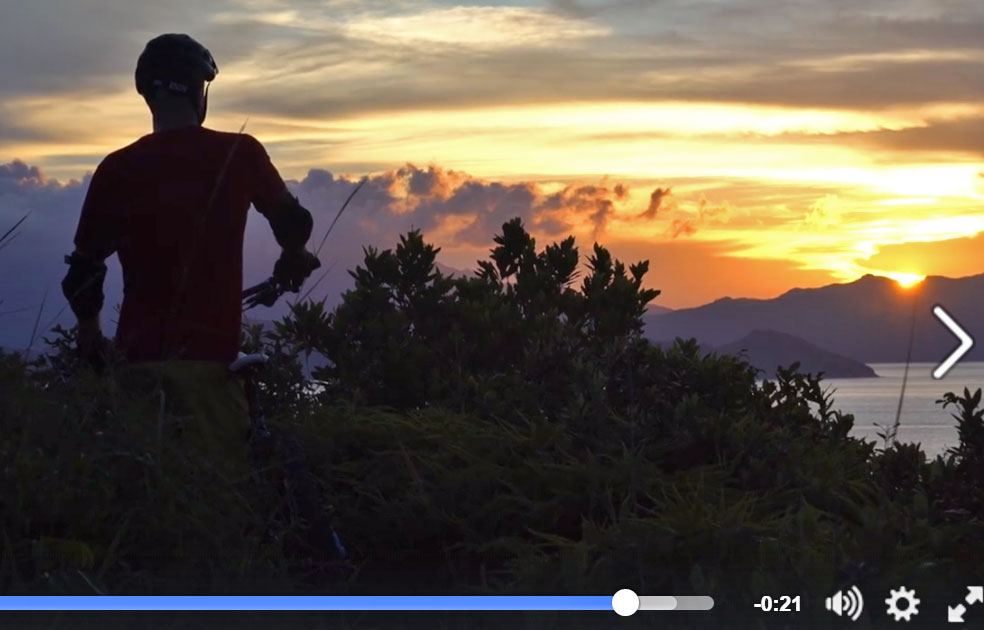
212 402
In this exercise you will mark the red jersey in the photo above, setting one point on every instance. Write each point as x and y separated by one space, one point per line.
177 221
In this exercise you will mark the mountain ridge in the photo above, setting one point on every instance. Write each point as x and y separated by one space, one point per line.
868 319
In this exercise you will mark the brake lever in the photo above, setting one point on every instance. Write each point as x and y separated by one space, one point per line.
266 294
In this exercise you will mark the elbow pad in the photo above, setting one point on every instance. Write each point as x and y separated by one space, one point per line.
83 285
292 225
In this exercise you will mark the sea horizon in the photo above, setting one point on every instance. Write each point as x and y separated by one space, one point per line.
874 402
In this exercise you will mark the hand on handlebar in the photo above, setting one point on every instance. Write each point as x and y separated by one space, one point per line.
294 267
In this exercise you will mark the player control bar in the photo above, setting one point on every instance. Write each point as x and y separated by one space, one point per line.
621 603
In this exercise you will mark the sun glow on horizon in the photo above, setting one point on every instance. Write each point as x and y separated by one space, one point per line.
905 280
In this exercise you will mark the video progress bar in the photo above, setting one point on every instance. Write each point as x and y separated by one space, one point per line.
342 603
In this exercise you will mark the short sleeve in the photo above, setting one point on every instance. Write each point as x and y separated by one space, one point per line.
267 186
99 228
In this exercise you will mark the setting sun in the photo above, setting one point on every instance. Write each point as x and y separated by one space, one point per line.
906 280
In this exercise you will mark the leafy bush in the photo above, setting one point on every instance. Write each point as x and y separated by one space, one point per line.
499 433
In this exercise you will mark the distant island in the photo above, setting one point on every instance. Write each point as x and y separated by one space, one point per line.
767 350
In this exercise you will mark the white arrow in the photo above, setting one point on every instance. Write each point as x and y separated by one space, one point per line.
975 595
966 342
955 615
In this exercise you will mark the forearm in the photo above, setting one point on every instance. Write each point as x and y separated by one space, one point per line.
83 287
90 323
292 224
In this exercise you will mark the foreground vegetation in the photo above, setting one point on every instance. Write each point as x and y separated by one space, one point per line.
501 433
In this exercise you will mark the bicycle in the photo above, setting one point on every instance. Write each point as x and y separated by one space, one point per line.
293 478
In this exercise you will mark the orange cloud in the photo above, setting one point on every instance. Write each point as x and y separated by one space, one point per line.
952 257
825 212
682 226
686 222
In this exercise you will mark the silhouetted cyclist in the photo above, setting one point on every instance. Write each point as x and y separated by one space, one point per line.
173 207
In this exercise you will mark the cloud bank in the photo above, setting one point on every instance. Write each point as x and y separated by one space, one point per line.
295 63
458 212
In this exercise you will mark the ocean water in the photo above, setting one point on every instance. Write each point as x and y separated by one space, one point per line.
875 401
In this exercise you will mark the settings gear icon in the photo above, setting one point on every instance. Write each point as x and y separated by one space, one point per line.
911 604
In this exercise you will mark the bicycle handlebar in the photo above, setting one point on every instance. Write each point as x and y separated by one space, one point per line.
269 291
265 293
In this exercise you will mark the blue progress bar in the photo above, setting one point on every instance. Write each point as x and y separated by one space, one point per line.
368 602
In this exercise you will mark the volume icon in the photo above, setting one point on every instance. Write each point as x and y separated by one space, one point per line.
849 603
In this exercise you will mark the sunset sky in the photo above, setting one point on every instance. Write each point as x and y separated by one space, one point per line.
744 148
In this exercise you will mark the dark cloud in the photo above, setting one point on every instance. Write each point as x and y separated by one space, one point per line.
959 29
13 131
571 7
493 204
17 175
879 85
424 198
679 50
959 136
73 45
430 79
657 49
655 201
954 135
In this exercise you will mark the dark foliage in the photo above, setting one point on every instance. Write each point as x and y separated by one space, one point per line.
503 432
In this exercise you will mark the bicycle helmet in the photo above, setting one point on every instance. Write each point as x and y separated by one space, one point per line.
176 63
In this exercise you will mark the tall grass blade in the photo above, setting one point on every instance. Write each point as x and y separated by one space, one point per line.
332 226
37 320
9 240
315 286
344 205
15 226
16 310
890 436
